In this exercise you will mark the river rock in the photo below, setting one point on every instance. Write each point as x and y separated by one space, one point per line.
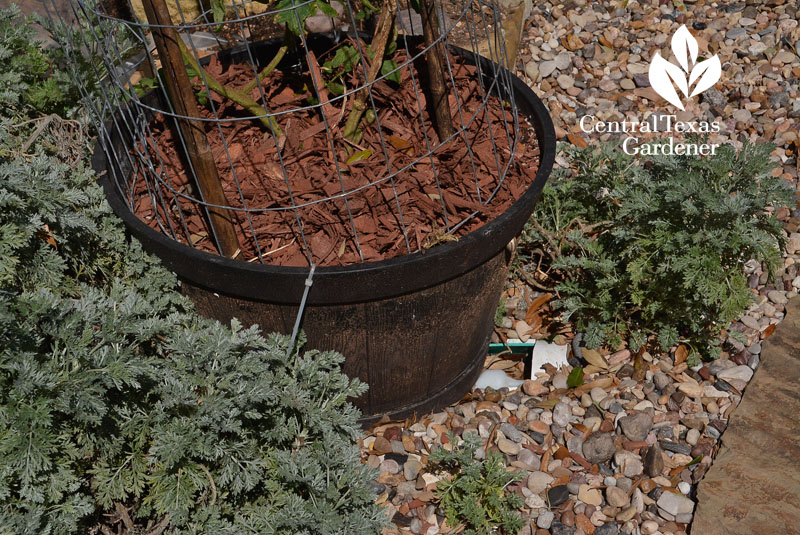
599 447
628 463
636 426
737 373
561 414
539 481
616 497
653 461
675 504
558 495
587 494
509 447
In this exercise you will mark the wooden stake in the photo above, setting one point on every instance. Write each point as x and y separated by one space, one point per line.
184 103
436 67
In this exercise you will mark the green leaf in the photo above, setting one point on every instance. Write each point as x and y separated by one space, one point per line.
294 13
326 8
388 69
575 377
335 88
346 58
218 11
360 155
695 460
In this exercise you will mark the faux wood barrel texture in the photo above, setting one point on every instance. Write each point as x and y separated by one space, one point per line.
417 352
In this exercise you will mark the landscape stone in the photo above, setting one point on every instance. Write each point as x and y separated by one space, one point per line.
511 432
561 414
389 466
676 447
777 297
628 463
558 495
616 497
675 504
545 519
653 461
661 380
737 373
736 33
599 447
565 81
411 469
539 481
546 68
509 447
529 459
563 61
720 364
609 528
636 426
587 494
557 528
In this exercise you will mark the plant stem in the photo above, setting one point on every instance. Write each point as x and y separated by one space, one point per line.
437 87
268 69
235 95
288 42
378 47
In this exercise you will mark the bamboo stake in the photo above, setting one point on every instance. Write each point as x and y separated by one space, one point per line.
382 31
436 67
168 43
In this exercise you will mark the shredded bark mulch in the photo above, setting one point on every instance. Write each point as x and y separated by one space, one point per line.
347 211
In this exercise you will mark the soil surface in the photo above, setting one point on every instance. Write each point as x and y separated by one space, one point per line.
349 207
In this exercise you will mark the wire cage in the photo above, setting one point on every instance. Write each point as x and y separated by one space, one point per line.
307 132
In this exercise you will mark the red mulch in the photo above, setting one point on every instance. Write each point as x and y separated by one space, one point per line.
312 172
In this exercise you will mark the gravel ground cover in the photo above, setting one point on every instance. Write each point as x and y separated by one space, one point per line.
624 452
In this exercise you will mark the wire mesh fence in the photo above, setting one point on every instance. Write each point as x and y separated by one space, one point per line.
306 133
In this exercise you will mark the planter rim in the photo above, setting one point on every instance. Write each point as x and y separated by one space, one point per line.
361 282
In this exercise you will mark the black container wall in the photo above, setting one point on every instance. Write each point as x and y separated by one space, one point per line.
415 328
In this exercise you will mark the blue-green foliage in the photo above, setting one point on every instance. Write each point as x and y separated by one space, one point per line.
475 496
653 251
114 391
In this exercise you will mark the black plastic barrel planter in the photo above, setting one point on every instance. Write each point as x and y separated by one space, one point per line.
415 328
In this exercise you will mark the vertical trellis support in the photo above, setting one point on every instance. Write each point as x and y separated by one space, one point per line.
185 105
436 69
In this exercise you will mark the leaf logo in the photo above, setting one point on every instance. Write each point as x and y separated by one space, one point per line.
664 74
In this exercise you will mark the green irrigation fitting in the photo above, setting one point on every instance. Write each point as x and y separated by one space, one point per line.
513 346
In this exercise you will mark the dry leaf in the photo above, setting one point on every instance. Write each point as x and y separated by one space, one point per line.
502 364
604 383
593 357
549 404
561 453
681 353
590 369
577 140
768 331
46 235
196 238
401 144
572 42
532 317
